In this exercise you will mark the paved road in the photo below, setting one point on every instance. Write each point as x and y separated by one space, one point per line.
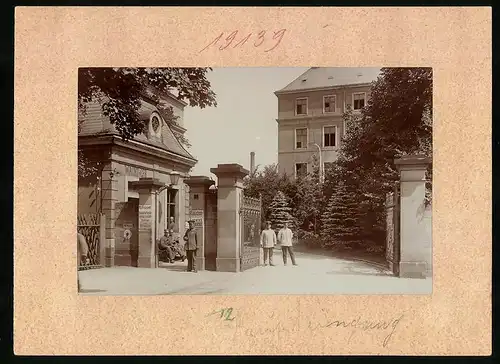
314 275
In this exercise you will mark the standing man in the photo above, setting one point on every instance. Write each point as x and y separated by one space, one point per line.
171 224
82 251
191 246
166 245
285 236
268 241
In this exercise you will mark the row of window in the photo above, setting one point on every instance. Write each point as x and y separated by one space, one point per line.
329 137
329 103
301 168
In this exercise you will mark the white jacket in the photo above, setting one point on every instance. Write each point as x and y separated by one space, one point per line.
285 236
268 238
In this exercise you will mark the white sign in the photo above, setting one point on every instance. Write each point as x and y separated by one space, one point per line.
197 217
127 234
145 217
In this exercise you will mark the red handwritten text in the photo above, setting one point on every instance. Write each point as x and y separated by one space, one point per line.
269 40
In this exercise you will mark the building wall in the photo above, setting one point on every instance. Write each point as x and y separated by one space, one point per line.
286 102
314 121
126 250
127 167
120 165
88 196
131 167
211 230
426 222
288 155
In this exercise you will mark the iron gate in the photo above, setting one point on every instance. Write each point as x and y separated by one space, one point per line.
250 217
91 226
393 246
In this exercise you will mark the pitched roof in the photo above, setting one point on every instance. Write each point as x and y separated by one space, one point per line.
94 123
324 77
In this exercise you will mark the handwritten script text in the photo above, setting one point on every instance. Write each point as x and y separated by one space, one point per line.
275 327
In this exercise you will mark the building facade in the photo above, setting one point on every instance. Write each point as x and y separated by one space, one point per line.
139 184
310 112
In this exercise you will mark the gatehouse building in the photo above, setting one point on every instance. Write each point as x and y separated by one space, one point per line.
138 186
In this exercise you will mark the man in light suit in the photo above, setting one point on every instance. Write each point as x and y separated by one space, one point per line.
285 236
268 241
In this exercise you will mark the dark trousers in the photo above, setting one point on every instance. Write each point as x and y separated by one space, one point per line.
268 252
289 249
167 252
191 258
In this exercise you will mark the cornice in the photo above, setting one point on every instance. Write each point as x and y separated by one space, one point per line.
114 140
323 88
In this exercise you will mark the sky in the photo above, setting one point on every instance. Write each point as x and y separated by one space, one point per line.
243 121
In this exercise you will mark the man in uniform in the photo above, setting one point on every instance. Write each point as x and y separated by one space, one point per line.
166 245
191 246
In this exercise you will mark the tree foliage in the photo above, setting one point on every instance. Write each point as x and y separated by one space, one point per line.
308 202
340 220
120 91
397 121
280 211
266 184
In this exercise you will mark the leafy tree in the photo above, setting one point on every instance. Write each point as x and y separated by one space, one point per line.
266 183
396 121
120 91
279 211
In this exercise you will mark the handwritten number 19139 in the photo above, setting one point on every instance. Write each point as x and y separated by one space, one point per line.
259 38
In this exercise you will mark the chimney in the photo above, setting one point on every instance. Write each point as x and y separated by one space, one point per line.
252 162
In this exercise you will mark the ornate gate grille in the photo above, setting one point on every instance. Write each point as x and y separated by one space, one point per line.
250 217
393 246
89 225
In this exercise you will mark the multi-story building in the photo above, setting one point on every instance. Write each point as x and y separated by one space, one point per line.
310 112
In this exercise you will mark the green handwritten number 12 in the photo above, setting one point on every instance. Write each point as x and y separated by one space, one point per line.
226 313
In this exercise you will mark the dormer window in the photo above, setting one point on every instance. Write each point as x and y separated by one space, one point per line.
155 123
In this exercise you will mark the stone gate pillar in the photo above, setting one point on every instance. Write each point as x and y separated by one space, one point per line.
199 187
147 188
109 199
414 249
230 187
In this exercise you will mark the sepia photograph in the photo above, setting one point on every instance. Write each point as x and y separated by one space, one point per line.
254 180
